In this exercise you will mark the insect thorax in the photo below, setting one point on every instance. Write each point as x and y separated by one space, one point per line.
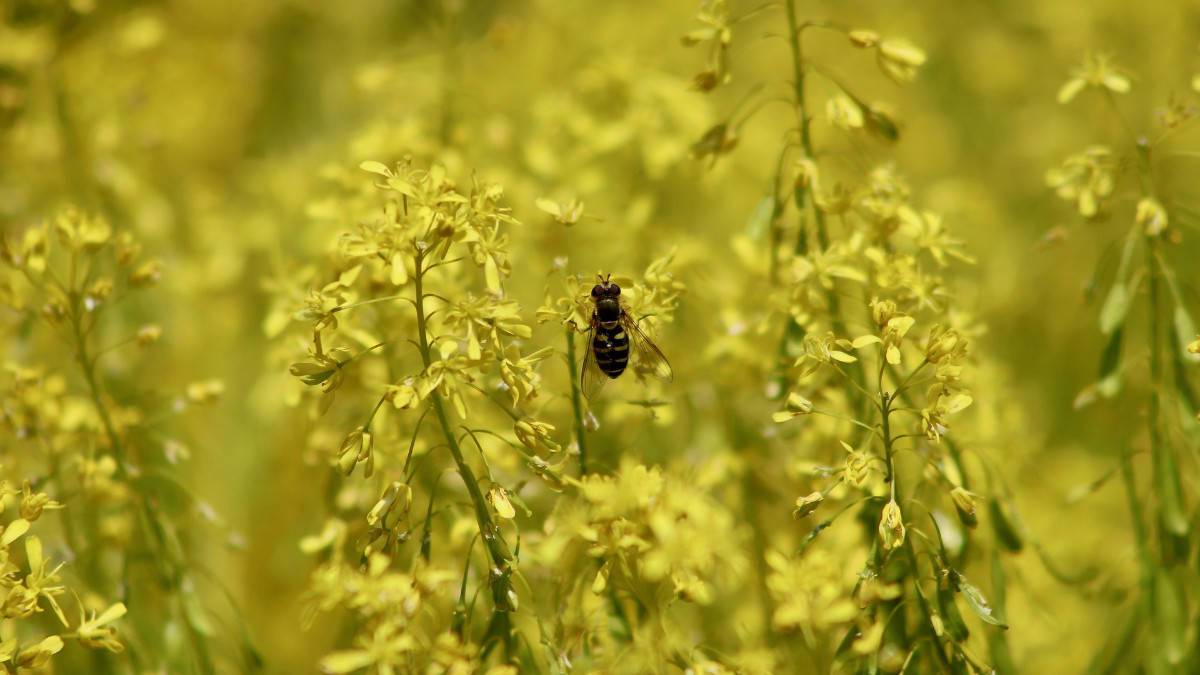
608 309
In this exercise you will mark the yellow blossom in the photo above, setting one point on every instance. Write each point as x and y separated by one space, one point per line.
891 526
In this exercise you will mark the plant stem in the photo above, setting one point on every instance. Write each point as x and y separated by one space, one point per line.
170 560
576 401
807 197
488 530
885 400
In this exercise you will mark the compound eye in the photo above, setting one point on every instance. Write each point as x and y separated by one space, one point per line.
597 291
614 290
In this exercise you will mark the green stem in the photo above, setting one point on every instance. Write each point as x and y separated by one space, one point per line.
488 530
807 197
894 481
170 561
1139 525
576 401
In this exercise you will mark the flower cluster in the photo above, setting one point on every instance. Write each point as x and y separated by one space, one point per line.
81 451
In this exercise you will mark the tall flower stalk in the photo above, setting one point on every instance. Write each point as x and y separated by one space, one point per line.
838 240
1151 253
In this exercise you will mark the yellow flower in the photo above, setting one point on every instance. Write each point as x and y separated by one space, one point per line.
812 591
844 113
891 526
356 448
567 213
1151 216
147 274
1097 70
207 391
944 344
858 465
392 508
796 405
1085 178
148 334
535 435
95 632
36 656
899 59
33 503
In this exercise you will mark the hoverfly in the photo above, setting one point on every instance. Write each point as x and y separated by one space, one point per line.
612 335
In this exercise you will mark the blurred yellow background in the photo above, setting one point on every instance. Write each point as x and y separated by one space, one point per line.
227 136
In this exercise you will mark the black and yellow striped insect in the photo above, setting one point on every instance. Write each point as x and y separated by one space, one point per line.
611 338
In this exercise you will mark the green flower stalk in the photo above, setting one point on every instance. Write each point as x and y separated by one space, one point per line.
1161 526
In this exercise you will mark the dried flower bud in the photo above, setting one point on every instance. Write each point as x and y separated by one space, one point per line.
807 504
498 498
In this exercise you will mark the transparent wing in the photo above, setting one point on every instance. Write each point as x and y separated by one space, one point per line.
591 378
649 357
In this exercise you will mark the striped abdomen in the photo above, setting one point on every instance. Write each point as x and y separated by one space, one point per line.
610 344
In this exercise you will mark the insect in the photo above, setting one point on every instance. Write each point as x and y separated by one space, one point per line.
613 334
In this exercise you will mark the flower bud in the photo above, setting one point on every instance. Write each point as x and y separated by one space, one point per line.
882 311
147 274
1151 217
149 334
498 498
964 503
943 342
891 526
354 449
807 504
863 39
535 435
392 507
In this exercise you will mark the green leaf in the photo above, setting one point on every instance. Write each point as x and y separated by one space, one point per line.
760 217
1081 492
956 628
1170 492
1006 532
1110 365
976 601
1185 332
1170 618
1002 659
1116 307
193 609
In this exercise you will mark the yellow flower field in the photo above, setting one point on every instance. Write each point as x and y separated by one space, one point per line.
704 336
